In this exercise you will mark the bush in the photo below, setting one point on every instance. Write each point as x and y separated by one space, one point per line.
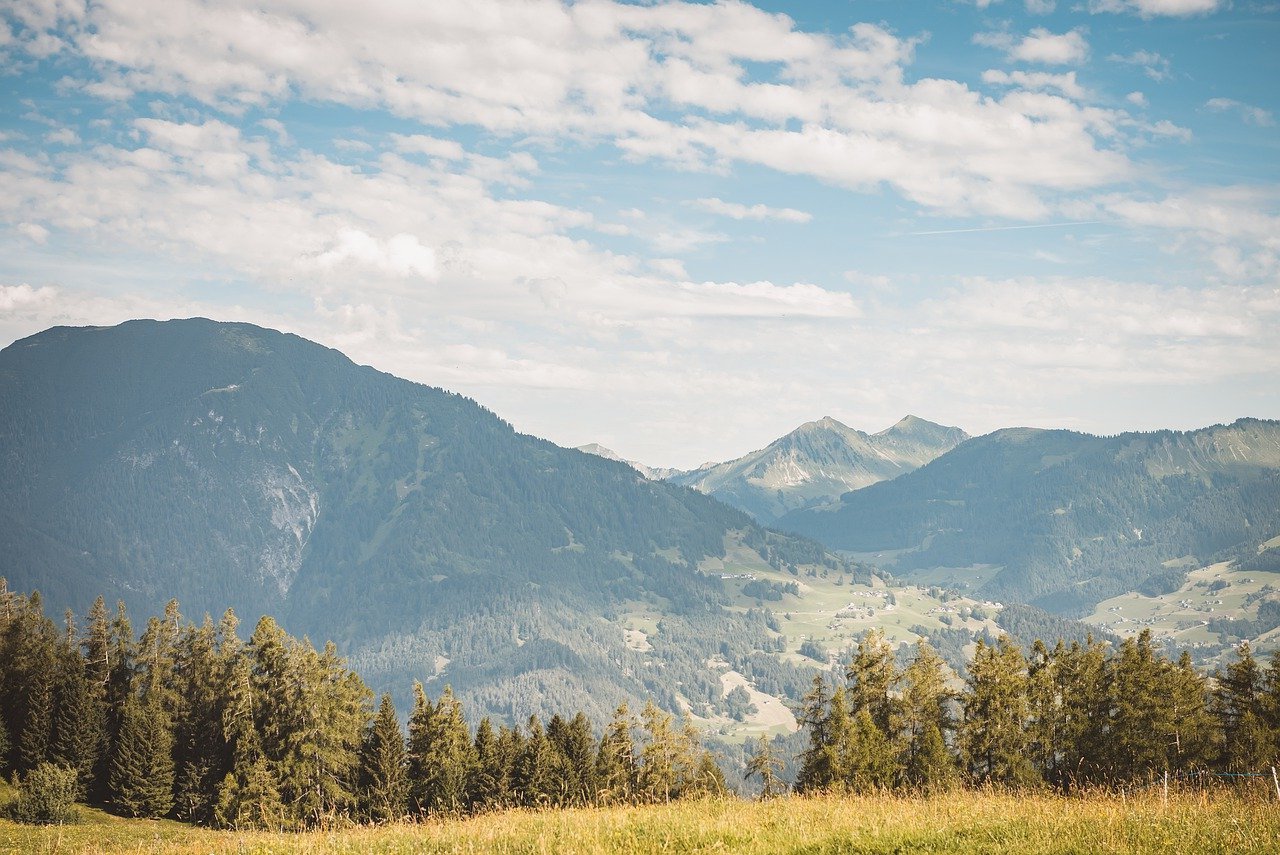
46 795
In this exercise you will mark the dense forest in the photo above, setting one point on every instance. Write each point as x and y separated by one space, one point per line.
192 722
1087 714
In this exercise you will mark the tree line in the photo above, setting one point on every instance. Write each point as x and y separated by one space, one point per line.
1069 717
194 723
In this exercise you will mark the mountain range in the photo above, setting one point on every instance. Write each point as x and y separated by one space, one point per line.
229 465
814 464
1063 520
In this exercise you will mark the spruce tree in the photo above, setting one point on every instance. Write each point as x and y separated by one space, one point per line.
993 737
764 765
141 777
1246 740
925 719
659 755
871 677
616 770
820 762
487 788
533 780
384 778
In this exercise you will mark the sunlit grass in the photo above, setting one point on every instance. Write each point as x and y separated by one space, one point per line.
961 822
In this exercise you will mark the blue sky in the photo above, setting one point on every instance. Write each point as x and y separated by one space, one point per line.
678 229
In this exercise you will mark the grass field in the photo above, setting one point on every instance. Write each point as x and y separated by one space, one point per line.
960 822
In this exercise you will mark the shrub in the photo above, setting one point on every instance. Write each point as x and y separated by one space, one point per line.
46 795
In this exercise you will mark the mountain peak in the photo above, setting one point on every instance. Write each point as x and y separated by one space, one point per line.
824 423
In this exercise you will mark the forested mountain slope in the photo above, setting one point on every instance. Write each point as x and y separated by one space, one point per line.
1067 519
229 465
819 461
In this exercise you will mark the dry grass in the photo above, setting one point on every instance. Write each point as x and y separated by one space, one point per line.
960 822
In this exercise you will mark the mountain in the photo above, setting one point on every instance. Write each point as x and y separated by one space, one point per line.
1063 520
819 461
228 465
650 472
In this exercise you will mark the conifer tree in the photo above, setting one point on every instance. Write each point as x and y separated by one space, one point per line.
248 796
201 756
1195 736
659 756
765 766
992 737
384 779
1141 730
924 719
1246 742
616 770
871 676
533 780
820 764
142 768
487 788
422 734
869 760
1081 674
96 646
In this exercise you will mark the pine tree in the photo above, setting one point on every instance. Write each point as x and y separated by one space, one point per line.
993 737
1195 732
96 646
616 770
248 796
820 764
869 759
924 720
533 781
871 677
1246 740
765 766
487 788
384 778
422 734
1080 675
142 770
659 755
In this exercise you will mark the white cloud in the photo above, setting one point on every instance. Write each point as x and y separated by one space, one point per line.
1155 66
737 211
566 74
1041 7
1156 8
62 136
33 232
1039 46
1250 114
1137 99
1037 80
24 298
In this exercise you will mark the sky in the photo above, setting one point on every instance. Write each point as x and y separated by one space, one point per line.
678 229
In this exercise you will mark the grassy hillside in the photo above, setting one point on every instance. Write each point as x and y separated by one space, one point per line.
1225 822
1064 520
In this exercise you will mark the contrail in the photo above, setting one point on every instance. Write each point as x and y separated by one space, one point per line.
1004 228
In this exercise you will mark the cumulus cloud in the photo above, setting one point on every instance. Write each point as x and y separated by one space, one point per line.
1037 80
737 211
1039 46
746 86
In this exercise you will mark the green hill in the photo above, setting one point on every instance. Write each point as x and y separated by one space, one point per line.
1065 520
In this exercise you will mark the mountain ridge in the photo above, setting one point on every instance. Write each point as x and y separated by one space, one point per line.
817 462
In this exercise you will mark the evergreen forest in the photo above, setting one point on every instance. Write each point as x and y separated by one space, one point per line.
192 722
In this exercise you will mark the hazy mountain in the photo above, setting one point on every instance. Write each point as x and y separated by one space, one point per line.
650 472
818 462
1066 519
229 465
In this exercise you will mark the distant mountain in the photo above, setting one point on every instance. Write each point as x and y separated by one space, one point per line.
229 465
650 472
819 461
1063 520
